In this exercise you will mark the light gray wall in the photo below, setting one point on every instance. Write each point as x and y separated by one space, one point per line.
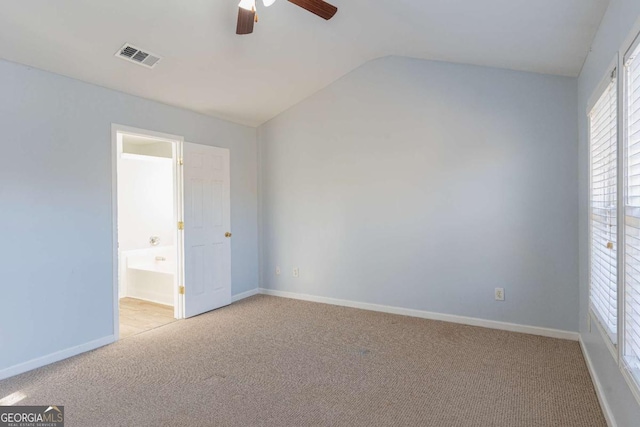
426 185
614 28
55 195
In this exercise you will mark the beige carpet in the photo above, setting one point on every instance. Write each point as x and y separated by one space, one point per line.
269 361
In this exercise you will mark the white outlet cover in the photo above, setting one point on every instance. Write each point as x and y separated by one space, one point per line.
296 272
499 294
277 271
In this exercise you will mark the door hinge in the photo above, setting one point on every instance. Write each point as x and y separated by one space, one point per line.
180 225
180 161
181 290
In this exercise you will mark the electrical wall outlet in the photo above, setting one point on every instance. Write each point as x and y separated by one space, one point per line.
296 272
499 294
277 271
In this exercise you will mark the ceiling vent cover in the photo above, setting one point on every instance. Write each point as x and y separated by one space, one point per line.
133 54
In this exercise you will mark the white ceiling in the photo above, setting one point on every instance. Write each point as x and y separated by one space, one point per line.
292 53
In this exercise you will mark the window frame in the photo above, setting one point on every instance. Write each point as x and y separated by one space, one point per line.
632 43
593 316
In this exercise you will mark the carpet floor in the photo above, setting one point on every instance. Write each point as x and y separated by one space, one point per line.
268 361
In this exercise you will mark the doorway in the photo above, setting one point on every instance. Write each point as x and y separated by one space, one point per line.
148 254
172 229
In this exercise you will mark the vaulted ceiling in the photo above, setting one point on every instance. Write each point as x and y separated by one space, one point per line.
249 79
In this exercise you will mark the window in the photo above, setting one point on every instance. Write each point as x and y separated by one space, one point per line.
615 197
603 142
631 336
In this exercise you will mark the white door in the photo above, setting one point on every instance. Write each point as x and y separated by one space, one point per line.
207 248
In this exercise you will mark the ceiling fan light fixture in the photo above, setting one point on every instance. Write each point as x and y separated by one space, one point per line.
247 4
247 16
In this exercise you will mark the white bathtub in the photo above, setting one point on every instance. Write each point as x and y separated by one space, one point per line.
160 259
136 284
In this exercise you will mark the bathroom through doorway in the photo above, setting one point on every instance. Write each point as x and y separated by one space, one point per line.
148 239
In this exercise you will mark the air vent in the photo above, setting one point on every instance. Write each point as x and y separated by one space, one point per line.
133 54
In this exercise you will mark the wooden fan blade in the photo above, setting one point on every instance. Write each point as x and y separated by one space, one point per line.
246 18
318 7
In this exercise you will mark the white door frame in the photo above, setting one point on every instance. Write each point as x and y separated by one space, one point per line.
177 142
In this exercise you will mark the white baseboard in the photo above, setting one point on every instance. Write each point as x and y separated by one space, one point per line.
54 357
534 330
472 321
244 295
73 351
154 297
606 409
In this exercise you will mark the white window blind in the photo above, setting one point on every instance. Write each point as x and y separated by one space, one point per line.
631 338
603 293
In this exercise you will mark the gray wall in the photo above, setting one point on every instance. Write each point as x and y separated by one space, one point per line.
425 185
616 25
55 195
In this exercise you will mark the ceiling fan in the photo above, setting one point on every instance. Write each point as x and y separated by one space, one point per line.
247 12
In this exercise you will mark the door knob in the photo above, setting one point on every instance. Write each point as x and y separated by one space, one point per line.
227 234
